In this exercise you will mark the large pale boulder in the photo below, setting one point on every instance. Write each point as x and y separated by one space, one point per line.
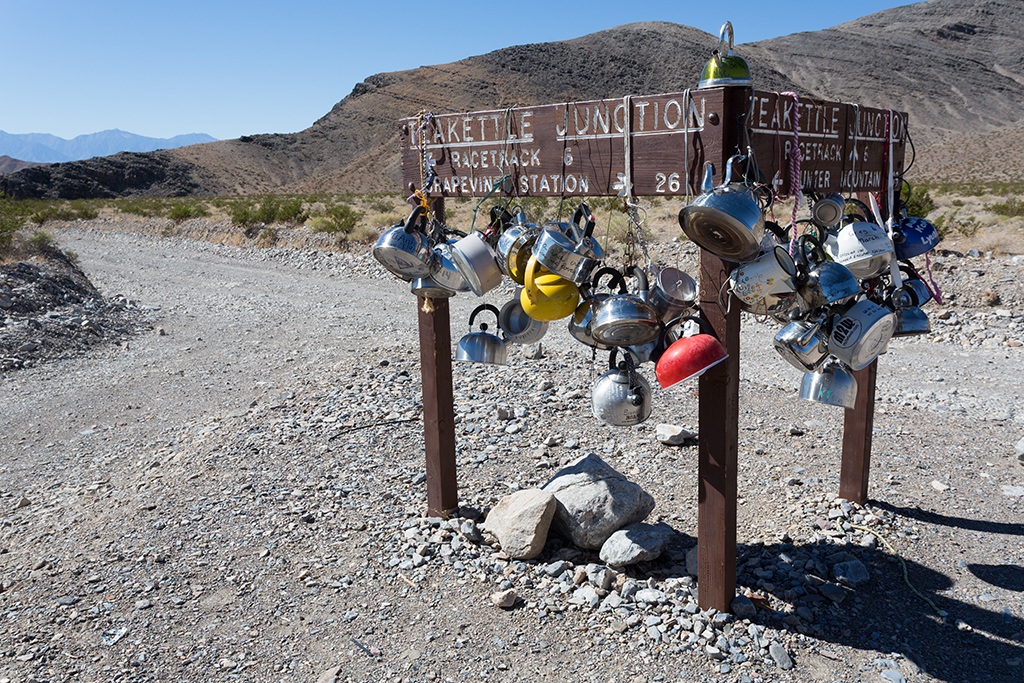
520 521
595 501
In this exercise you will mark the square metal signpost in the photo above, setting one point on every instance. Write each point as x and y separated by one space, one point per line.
652 146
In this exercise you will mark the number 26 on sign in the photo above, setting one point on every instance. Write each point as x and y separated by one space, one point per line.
669 183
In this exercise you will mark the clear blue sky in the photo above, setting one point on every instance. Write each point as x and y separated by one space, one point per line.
231 68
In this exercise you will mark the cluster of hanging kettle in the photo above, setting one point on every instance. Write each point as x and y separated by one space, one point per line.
560 270
842 290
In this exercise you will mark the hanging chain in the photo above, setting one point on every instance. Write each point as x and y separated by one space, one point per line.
635 236
427 174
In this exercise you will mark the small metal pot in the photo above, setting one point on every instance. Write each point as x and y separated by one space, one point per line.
859 334
804 345
404 249
581 320
822 282
517 326
727 220
621 396
569 251
863 247
477 263
689 356
833 386
672 293
627 319
515 247
482 346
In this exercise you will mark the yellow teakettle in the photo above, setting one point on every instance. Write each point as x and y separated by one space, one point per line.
547 296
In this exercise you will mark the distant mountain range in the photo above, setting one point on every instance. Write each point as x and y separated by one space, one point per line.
47 149
956 67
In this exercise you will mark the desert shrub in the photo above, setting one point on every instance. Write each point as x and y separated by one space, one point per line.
183 212
242 214
53 213
266 212
41 240
364 234
11 219
292 213
341 219
1011 208
951 221
142 206
382 204
917 200
320 224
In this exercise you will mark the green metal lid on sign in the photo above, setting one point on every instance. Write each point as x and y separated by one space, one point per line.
725 69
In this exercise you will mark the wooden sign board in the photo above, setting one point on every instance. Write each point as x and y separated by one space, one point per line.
579 148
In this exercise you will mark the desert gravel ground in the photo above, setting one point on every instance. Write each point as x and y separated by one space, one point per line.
234 490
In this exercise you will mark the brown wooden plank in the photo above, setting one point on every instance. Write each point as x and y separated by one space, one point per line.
718 438
578 148
438 402
858 423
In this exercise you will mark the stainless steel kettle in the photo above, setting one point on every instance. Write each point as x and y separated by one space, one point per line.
621 396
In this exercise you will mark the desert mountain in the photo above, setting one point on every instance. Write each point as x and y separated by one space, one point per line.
957 67
9 165
47 149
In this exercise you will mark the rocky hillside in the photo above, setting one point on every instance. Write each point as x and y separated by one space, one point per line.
957 66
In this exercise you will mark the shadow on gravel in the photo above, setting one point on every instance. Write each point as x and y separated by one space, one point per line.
1008 576
930 517
969 645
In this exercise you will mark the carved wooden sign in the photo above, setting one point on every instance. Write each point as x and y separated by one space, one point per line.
581 148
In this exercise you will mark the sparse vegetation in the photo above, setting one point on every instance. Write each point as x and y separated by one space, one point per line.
1011 208
184 212
950 222
917 201
10 220
41 240
340 220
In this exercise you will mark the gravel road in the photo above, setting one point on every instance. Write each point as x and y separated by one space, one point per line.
236 493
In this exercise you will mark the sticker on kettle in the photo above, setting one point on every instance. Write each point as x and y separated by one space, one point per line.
846 332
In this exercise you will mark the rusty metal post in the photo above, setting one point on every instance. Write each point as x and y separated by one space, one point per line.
438 401
718 441
858 423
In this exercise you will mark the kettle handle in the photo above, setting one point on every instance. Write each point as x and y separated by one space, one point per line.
584 213
780 233
617 279
728 168
641 279
483 307
415 218
722 33
907 269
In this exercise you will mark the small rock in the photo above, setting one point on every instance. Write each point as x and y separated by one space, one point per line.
893 675
22 503
691 561
939 486
144 604
635 543
780 655
833 592
673 435
650 596
504 599
743 607
852 573
330 676
1020 448
533 351
1013 491
521 522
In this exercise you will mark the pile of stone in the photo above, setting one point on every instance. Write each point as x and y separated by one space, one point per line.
587 502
